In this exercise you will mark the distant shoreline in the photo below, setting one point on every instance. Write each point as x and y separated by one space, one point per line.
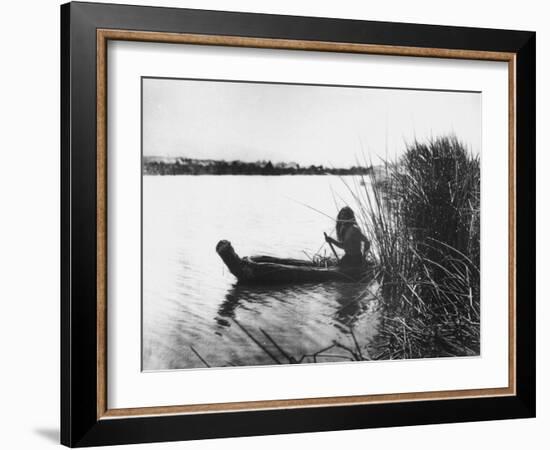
189 166
247 174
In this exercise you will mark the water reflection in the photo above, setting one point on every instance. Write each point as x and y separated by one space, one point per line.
241 295
350 300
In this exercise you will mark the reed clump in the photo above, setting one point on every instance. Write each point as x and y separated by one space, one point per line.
421 214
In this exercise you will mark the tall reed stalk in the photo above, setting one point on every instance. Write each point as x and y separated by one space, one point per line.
421 214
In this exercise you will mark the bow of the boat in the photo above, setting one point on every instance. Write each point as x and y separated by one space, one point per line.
230 258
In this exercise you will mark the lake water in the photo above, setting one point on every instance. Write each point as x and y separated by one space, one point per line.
190 300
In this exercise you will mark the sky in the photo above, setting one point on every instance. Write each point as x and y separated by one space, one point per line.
333 126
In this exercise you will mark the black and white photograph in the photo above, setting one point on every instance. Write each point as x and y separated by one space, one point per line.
292 224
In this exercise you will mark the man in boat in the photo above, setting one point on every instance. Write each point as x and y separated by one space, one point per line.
349 238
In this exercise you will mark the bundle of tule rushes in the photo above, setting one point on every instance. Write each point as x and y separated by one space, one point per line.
422 216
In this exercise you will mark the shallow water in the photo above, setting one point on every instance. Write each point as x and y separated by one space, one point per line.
190 300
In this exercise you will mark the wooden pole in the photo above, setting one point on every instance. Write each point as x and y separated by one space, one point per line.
332 248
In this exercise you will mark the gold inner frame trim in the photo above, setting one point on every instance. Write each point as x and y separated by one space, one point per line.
104 35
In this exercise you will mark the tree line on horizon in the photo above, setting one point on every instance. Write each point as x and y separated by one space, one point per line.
189 166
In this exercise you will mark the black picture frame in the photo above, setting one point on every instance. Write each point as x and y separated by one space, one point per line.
80 425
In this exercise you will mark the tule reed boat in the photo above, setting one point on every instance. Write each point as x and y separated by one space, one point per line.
268 269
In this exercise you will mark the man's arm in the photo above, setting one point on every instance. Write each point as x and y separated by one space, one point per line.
366 243
334 241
